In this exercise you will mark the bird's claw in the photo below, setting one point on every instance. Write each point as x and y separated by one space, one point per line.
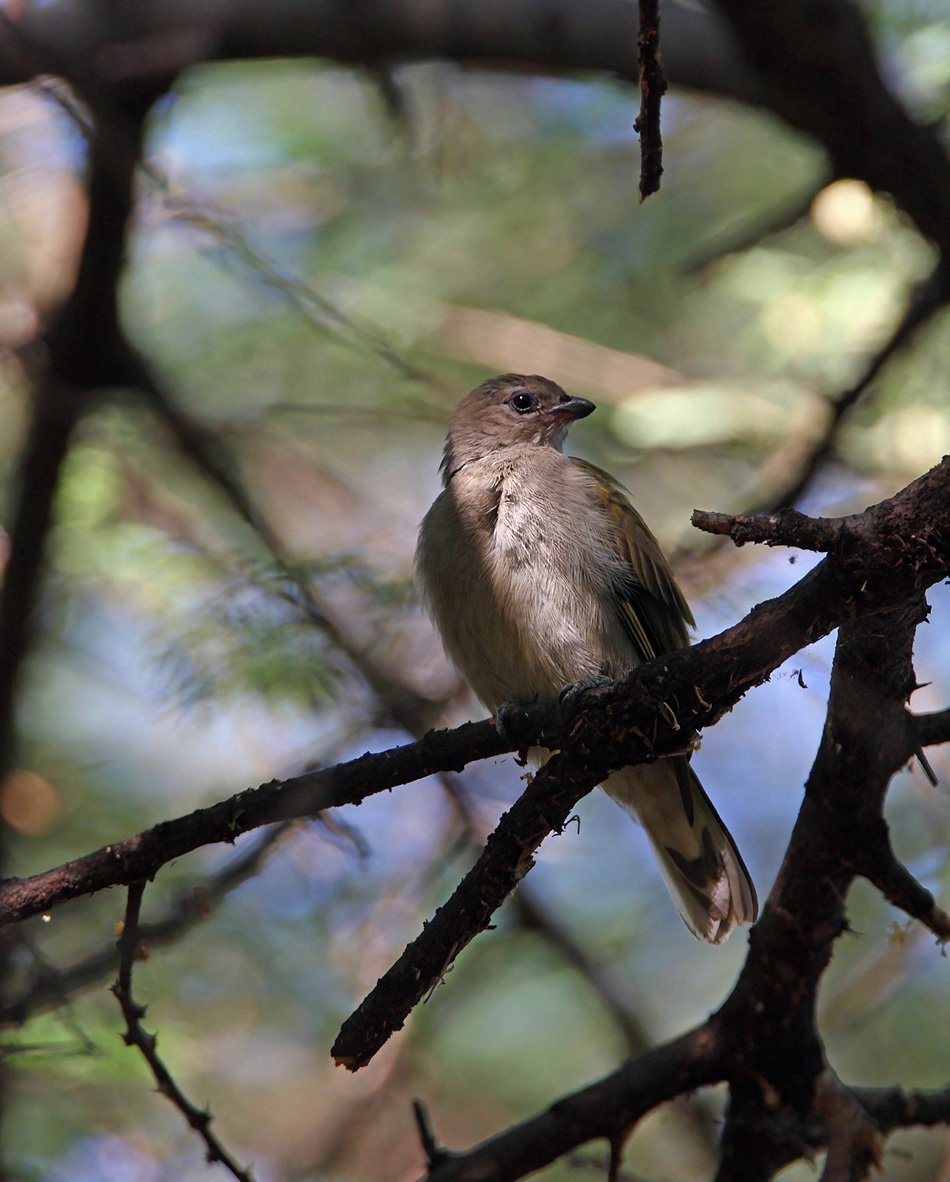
570 696
506 725
504 720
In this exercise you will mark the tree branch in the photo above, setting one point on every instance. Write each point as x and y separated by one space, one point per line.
785 1101
137 1036
141 856
654 713
931 729
608 1108
893 1108
153 41
84 352
777 1108
613 732
52 986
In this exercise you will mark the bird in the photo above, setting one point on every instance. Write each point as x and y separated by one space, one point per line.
539 573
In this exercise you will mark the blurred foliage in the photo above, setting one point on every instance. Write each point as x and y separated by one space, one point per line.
319 284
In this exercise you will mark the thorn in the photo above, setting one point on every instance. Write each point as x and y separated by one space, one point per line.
433 1151
926 768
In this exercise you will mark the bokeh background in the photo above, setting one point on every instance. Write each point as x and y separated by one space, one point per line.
323 264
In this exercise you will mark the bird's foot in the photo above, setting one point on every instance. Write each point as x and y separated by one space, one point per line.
571 695
508 724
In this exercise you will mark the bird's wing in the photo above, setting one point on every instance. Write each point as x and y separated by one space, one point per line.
652 608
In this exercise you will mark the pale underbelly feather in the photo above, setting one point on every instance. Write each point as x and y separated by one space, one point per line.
532 623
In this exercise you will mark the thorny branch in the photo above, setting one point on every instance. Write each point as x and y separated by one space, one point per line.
407 710
785 1101
840 833
612 733
703 681
130 949
868 136
604 733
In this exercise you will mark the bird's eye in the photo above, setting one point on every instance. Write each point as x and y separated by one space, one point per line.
522 402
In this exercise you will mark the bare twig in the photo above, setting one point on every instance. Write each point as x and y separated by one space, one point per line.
787 527
652 88
53 987
137 1036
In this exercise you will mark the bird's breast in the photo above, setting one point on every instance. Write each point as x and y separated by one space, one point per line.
514 573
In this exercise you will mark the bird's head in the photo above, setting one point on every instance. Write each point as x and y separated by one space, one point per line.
509 410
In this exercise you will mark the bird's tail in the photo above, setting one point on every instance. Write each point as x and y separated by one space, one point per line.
698 859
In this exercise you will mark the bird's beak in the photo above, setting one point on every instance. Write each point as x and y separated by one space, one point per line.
571 409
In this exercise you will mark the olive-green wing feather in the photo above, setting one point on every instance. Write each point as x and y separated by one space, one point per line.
652 608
